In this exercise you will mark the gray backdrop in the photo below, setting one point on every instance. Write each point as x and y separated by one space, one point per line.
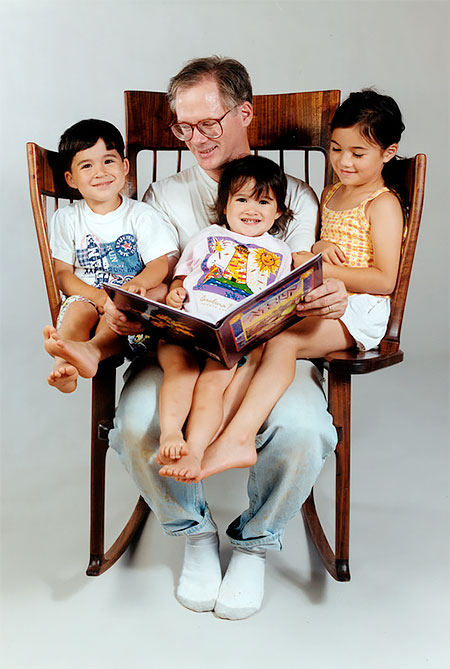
63 61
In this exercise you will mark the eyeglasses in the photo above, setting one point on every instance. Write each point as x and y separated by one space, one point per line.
209 127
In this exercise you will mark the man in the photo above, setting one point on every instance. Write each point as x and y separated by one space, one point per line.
212 100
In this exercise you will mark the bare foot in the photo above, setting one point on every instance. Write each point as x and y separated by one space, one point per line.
187 468
172 446
222 455
64 378
80 354
48 331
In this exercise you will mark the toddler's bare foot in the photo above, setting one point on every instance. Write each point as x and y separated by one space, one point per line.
227 452
185 469
80 354
172 446
64 378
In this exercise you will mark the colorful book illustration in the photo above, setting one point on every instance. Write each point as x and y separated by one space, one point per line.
254 320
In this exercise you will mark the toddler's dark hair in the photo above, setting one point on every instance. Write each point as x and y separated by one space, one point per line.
83 135
267 175
380 120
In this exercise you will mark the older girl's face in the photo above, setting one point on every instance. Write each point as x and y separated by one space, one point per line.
355 159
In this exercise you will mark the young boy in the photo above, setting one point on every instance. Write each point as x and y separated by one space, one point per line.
103 238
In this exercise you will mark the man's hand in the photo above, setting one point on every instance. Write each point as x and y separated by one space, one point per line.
328 300
118 322
176 297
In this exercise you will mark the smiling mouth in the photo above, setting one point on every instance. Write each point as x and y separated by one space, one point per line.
205 152
104 184
251 221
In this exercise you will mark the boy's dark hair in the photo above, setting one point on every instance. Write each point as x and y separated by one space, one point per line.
267 176
83 135
379 119
230 75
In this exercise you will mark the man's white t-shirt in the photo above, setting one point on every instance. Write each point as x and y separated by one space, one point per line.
109 248
223 267
186 200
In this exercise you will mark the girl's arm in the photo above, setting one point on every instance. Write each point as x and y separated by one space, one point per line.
151 276
70 284
386 219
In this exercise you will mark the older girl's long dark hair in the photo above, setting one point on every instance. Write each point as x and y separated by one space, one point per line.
380 120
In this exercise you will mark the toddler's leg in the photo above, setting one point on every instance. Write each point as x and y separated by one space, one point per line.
205 417
181 372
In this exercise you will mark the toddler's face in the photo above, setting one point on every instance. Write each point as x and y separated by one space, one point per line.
99 174
250 215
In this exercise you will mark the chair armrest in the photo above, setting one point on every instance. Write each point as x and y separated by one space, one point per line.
353 361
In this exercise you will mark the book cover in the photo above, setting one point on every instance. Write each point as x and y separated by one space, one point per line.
251 322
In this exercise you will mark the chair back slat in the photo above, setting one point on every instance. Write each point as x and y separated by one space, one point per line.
46 180
415 183
283 122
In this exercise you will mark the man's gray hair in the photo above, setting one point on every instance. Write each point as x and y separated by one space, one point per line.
230 75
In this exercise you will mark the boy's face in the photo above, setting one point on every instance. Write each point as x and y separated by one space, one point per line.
99 174
250 215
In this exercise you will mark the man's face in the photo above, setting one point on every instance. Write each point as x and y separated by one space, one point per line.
202 101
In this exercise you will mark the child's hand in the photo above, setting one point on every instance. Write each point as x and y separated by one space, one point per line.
331 252
176 297
132 288
300 257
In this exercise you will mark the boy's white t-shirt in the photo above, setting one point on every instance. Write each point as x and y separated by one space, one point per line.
185 201
223 267
108 248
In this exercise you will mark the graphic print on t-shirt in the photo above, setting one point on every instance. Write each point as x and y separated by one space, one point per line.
113 262
237 270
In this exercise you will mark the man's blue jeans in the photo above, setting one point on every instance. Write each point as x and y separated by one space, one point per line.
292 446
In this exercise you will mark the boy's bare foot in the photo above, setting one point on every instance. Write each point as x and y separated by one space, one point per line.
227 452
64 378
81 354
187 468
172 446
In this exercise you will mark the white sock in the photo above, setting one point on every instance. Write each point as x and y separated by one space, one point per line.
242 589
201 575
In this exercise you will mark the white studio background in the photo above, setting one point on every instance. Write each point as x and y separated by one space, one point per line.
64 60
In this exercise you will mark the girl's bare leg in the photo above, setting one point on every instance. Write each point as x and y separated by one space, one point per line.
84 354
311 338
205 417
181 372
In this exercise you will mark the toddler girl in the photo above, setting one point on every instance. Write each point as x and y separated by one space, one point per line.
223 264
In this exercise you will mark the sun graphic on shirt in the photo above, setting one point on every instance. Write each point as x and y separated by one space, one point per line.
218 245
267 261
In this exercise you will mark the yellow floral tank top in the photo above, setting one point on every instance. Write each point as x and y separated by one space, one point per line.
350 229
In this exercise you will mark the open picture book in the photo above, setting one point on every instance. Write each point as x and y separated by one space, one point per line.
251 322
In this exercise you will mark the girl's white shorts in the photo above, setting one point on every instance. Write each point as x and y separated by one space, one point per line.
366 318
